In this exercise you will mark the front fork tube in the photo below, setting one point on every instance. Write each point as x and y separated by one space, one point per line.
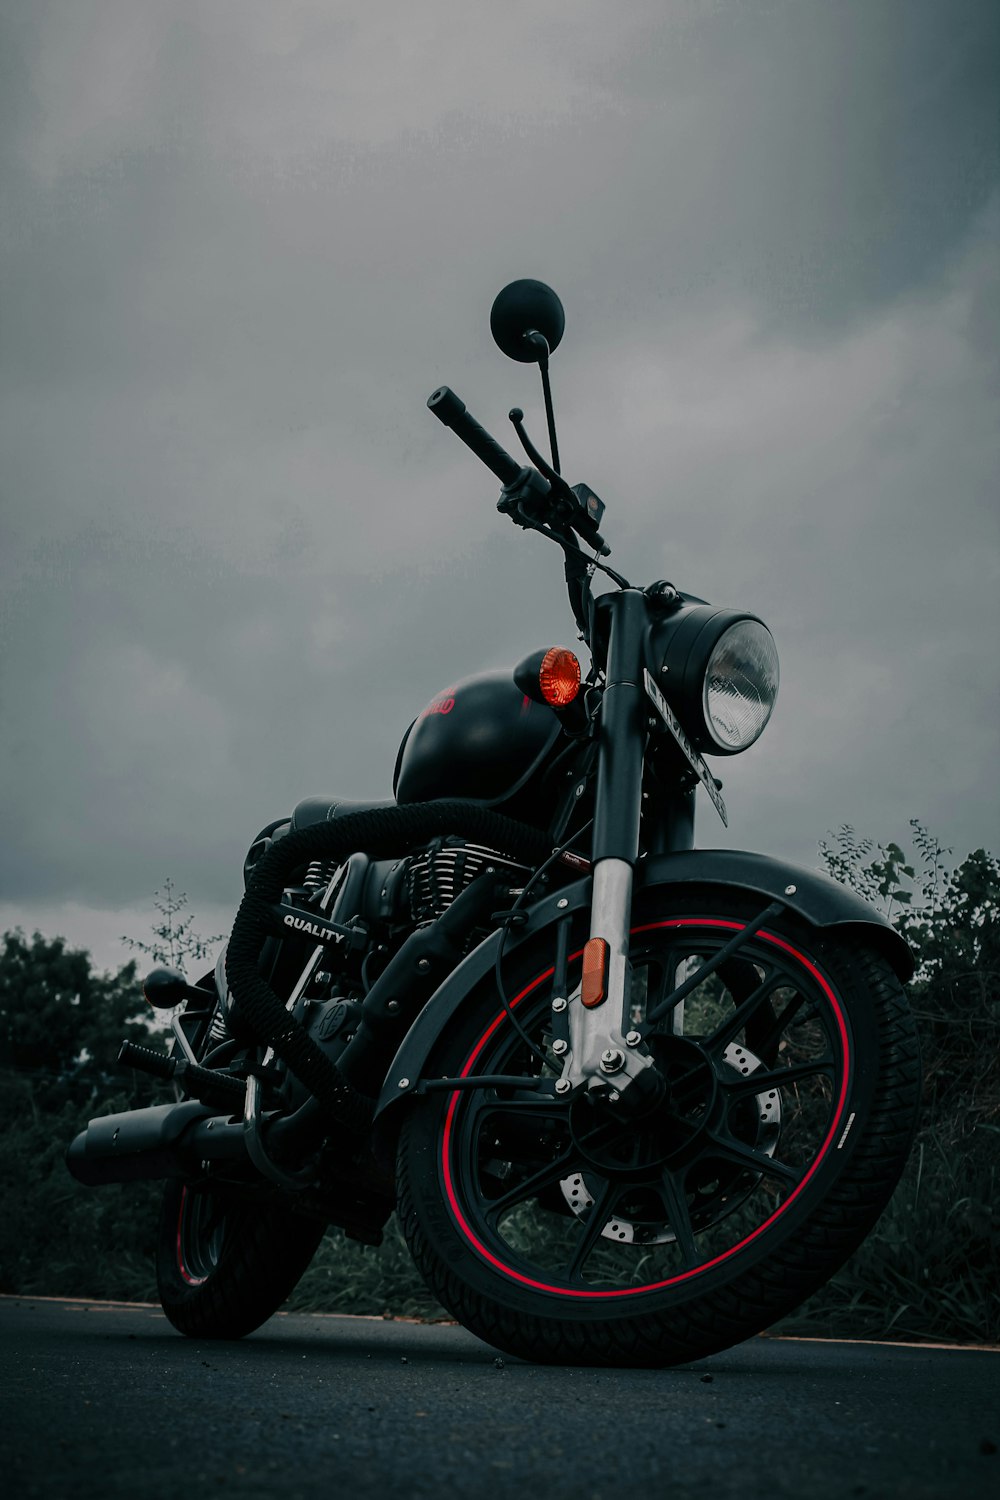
600 1054
602 1044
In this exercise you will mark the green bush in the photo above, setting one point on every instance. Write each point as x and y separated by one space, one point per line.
931 1267
61 1026
59 1237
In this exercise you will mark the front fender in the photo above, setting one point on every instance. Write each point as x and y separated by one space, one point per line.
815 898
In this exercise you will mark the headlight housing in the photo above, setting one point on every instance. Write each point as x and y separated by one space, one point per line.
718 669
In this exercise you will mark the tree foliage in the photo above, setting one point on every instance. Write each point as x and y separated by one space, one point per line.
61 1024
952 922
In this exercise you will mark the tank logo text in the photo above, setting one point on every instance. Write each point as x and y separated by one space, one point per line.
439 706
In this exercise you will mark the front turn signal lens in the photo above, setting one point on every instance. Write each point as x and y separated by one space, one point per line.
559 676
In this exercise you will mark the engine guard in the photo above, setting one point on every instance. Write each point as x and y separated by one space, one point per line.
815 898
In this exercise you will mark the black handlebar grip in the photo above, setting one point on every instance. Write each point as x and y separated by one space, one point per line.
451 411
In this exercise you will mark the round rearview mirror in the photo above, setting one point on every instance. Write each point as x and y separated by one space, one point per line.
521 312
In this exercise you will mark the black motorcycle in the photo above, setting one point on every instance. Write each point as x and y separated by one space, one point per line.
632 1101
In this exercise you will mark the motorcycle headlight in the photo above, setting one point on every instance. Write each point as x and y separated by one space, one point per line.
741 684
718 669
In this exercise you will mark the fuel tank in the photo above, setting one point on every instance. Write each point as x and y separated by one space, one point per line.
482 739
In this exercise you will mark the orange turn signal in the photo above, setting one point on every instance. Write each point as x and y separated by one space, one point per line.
559 676
594 984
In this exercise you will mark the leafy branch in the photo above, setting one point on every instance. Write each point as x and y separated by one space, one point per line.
175 941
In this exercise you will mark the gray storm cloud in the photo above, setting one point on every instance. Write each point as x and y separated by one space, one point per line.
241 243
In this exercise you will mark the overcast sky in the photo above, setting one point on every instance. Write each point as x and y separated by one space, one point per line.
242 240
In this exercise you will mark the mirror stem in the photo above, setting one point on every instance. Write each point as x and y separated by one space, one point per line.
543 365
540 344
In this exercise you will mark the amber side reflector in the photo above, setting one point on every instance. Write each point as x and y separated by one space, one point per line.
594 986
559 676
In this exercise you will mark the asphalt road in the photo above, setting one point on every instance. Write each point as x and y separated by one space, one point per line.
105 1400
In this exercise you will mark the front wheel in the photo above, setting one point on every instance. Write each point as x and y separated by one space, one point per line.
561 1231
222 1266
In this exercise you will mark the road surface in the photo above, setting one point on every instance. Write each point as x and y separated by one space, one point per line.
106 1400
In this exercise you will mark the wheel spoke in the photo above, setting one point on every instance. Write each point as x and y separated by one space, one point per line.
664 966
592 1227
601 1133
679 1216
734 1023
730 1149
775 1078
528 1187
771 1037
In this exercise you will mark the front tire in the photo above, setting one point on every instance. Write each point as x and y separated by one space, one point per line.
224 1267
557 1231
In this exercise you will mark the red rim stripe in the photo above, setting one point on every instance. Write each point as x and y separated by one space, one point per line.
653 1286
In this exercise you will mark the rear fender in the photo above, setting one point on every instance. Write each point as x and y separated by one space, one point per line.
818 900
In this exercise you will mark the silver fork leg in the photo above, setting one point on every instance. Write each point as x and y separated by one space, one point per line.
599 1053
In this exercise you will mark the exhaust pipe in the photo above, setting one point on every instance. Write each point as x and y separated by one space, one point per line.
165 1140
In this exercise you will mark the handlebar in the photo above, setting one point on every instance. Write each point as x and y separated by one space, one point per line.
529 496
448 409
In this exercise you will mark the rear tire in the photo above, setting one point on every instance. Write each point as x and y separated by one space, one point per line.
558 1232
224 1267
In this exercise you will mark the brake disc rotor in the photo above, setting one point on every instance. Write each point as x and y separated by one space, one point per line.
580 1199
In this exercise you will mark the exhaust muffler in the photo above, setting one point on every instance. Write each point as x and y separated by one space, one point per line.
165 1140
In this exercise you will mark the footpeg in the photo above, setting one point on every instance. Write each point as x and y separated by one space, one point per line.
206 1084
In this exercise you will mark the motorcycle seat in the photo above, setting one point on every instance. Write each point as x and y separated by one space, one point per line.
328 809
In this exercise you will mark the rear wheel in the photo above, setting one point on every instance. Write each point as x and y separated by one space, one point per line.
561 1231
224 1267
